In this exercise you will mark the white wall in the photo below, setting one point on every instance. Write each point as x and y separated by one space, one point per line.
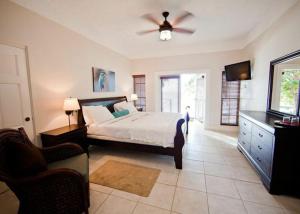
282 38
60 62
212 64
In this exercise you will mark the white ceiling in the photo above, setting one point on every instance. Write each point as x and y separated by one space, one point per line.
220 24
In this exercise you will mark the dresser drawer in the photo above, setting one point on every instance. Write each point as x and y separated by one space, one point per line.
262 135
264 147
262 141
259 158
245 139
245 124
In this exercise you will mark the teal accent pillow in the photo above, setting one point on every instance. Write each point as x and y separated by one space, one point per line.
122 113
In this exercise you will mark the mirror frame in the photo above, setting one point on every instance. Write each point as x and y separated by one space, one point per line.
271 75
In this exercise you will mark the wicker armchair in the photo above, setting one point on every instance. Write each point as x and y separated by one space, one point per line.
59 189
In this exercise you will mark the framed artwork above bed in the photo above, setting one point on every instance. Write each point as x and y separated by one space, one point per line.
103 80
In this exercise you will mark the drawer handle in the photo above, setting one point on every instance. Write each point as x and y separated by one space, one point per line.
257 158
259 134
259 147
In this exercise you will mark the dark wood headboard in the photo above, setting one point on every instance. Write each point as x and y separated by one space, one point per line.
107 102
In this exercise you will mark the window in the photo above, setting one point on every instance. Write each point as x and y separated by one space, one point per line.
286 87
139 89
230 102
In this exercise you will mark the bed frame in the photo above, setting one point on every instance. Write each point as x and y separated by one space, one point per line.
176 152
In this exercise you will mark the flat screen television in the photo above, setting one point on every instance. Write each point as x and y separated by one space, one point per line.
238 71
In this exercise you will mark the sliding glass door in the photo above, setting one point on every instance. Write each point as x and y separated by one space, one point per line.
170 94
200 98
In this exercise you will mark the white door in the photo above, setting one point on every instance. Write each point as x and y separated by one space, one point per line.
170 94
15 106
200 98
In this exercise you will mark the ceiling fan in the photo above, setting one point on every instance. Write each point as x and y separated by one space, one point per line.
166 28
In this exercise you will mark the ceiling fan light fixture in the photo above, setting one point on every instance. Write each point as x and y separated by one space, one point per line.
165 35
166 28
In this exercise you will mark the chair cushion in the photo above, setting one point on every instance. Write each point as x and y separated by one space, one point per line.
79 163
24 159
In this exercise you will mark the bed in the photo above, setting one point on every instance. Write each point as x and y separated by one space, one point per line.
142 131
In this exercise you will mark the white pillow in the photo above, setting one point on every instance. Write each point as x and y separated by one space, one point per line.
119 106
125 106
87 115
101 114
130 107
97 114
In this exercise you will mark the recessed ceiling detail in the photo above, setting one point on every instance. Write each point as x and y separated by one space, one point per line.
220 25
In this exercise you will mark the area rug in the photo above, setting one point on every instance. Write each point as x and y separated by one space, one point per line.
127 177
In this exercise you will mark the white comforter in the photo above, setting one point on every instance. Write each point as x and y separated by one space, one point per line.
154 128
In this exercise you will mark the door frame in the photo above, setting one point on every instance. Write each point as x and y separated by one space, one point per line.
163 77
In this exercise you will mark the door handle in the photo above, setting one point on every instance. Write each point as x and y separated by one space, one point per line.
27 119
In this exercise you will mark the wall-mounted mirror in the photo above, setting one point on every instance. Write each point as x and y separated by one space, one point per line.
284 85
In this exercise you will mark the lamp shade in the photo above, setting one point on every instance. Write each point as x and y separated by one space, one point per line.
71 104
134 97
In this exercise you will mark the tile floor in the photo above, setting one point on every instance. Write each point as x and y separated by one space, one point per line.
215 179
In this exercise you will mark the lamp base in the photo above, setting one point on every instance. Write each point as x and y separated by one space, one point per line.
69 113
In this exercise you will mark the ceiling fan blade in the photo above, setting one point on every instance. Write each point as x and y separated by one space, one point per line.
184 30
150 18
183 17
146 31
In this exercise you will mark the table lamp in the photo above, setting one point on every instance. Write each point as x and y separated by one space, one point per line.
134 97
70 104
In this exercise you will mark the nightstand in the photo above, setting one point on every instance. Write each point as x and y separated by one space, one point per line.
74 134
